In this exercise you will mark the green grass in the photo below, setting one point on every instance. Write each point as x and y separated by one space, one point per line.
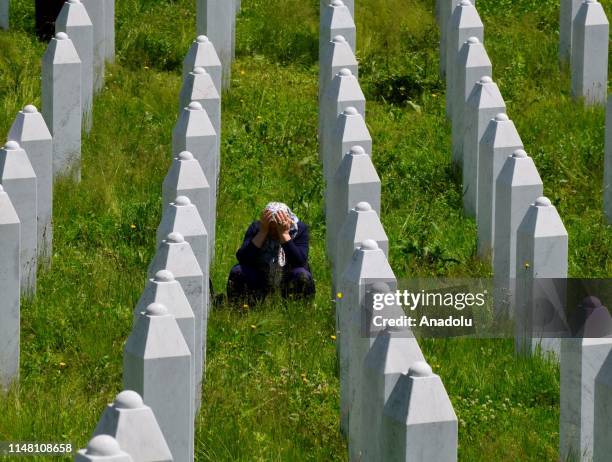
272 386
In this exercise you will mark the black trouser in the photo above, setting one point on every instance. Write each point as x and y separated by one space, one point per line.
247 282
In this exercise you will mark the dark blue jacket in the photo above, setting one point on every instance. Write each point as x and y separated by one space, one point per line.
296 250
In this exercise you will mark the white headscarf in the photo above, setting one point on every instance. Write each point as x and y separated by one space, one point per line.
276 207
273 251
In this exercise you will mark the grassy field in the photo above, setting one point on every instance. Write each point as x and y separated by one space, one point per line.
272 387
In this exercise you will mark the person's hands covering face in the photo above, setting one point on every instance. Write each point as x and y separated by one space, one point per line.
265 220
284 225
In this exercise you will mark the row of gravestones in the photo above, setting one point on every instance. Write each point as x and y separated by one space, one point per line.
583 43
101 13
42 146
392 406
165 355
91 26
520 230
216 19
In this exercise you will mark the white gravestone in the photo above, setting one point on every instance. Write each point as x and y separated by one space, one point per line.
199 86
157 365
602 440
368 265
10 289
581 361
419 422
472 64
61 104
214 19
202 54
132 423
445 10
30 131
343 92
19 182
393 352
356 180
463 24
167 291
96 12
361 223
541 269
336 19
335 56
362 333
518 186
484 103
195 133
589 63
499 141
75 22
181 216
350 4
186 178
349 129
175 255
567 13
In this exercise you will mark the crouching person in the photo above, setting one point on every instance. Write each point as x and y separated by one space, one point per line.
273 256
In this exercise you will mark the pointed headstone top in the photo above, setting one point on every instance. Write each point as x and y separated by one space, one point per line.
175 238
543 202
156 309
128 399
164 276
357 151
369 244
103 445
182 201
363 207
420 369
